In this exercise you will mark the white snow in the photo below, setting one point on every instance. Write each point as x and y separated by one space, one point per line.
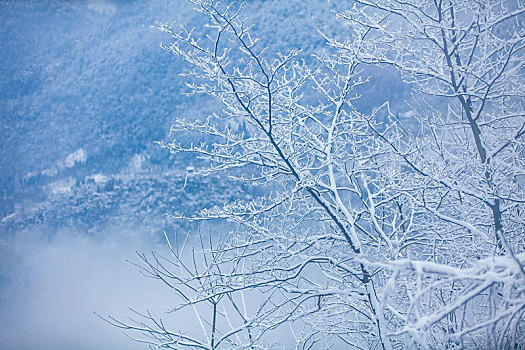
98 178
8 217
50 172
62 186
78 156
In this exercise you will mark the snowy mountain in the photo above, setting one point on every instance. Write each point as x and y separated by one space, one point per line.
86 91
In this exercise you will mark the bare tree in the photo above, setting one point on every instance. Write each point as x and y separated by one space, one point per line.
466 61
374 232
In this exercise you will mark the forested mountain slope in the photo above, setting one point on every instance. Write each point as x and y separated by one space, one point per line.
86 91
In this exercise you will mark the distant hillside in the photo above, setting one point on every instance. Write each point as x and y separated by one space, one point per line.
89 77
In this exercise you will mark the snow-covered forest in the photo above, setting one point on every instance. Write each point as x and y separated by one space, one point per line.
298 175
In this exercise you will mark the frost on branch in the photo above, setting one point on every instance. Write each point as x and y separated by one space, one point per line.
374 232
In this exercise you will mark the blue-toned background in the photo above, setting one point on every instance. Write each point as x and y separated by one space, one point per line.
85 91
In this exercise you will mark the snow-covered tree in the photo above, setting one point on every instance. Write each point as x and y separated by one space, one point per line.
372 230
